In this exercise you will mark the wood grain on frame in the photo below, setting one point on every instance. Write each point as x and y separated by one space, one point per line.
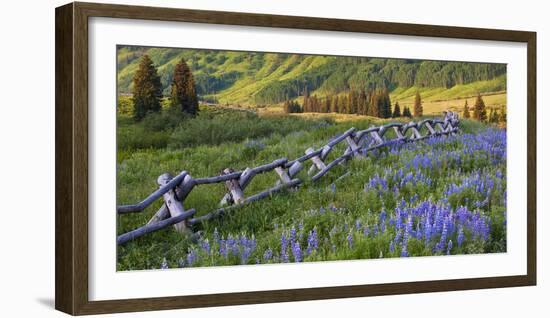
71 221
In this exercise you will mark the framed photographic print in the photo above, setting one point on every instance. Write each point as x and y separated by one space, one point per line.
218 158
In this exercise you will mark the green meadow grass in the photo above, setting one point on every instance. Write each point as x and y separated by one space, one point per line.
198 146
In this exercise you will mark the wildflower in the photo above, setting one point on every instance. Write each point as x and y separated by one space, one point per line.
223 248
404 251
350 240
449 247
205 246
216 235
366 230
181 263
245 254
164 264
284 244
312 242
192 257
268 254
460 237
296 252
293 234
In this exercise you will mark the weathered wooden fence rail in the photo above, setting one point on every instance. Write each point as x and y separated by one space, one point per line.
174 190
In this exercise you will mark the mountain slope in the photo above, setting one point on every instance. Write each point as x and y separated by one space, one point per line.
266 78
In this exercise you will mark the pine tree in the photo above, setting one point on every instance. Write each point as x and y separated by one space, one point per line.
396 110
184 95
496 116
326 105
306 105
386 104
502 115
147 91
314 104
286 107
480 113
466 112
407 112
362 103
334 104
373 104
418 110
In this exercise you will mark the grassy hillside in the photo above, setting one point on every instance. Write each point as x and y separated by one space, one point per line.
269 78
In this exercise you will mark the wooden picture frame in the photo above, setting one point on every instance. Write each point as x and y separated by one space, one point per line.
71 122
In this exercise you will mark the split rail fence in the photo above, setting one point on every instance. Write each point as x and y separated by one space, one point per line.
174 190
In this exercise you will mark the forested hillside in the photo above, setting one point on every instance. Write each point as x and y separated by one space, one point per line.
268 78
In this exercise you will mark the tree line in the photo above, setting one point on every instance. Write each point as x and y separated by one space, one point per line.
343 74
147 89
372 102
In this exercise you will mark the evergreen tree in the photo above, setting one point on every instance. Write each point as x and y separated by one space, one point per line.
480 113
496 116
386 104
466 112
306 104
502 115
147 91
326 105
344 106
418 109
334 105
291 107
407 112
184 95
314 104
373 104
352 100
396 110
362 103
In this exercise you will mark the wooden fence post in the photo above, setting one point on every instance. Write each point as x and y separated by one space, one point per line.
234 187
175 207
317 162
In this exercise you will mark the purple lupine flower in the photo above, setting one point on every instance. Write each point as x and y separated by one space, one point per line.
460 236
333 188
409 226
449 247
404 249
181 263
284 244
357 225
223 248
418 231
216 235
205 245
268 254
296 251
392 246
350 240
366 230
312 242
192 257
440 246
245 254
164 264
293 234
